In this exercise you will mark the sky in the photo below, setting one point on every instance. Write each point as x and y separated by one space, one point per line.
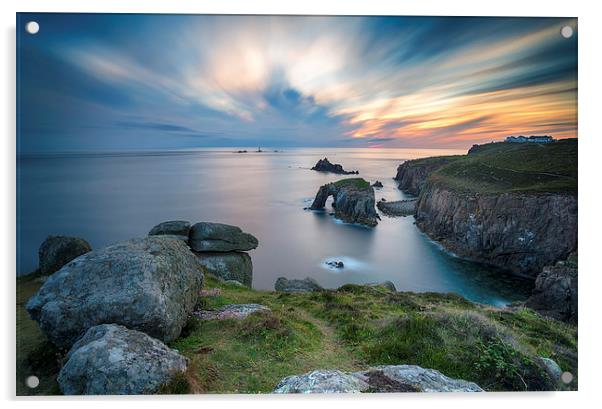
105 82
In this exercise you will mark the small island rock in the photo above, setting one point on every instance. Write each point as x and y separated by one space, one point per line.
324 165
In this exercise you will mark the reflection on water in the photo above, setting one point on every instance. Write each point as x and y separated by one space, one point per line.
106 198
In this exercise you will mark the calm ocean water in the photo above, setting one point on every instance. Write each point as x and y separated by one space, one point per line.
106 198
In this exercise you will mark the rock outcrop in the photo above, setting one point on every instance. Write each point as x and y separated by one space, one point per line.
233 265
353 201
397 208
308 284
113 360
180 228
389 378
149 284
412 174
56 251
218 237
231 311
555 294
324 165
521 232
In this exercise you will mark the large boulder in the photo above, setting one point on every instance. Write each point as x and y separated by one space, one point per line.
297 286
389 378
179 228
56 251
218 237
113 360
228 266
149 284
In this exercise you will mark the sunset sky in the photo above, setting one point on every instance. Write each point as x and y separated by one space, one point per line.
112 82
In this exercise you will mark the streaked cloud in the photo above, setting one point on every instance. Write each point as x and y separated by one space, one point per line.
295 81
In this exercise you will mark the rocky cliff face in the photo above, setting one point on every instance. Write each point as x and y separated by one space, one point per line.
521 232
412 174
353 201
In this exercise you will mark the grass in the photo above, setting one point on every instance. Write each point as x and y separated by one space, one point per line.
358 183
352 328
512 167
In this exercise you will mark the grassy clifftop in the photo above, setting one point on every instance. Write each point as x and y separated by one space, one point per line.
347 329
511 167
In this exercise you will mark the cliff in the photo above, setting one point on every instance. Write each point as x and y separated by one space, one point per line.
412 174
513 206
353 201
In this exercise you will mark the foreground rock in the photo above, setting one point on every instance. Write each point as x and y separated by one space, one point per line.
218 237
228 266
113 360
149 284
390 378
397 208
353 201
232 311
56 251
297 286
555 294
180 228
324 165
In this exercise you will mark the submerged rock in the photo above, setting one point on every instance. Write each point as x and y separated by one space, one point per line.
297 286
353 201
56 251
397 208
113 360
335 264
218 237
149 284
324 165
179 228
555 294
232 311
228 266
388 378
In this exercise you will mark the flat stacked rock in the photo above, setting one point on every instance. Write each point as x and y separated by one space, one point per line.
113 360
179 228
389 378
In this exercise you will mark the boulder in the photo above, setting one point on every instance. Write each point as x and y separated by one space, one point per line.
218 237
324 165
179 228
228 266
385 284
149 284
388 378
555 293
232 311
297 286
552 368
322 381
113 360
56 251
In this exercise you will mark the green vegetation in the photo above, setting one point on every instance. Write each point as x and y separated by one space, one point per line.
349 329
358 183
512 167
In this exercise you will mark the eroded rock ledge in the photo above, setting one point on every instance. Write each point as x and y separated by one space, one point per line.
353 201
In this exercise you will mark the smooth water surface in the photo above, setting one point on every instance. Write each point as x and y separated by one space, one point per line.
105 198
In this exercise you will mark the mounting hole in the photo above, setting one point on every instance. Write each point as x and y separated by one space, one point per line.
32 27
566 377
566 31
32 382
